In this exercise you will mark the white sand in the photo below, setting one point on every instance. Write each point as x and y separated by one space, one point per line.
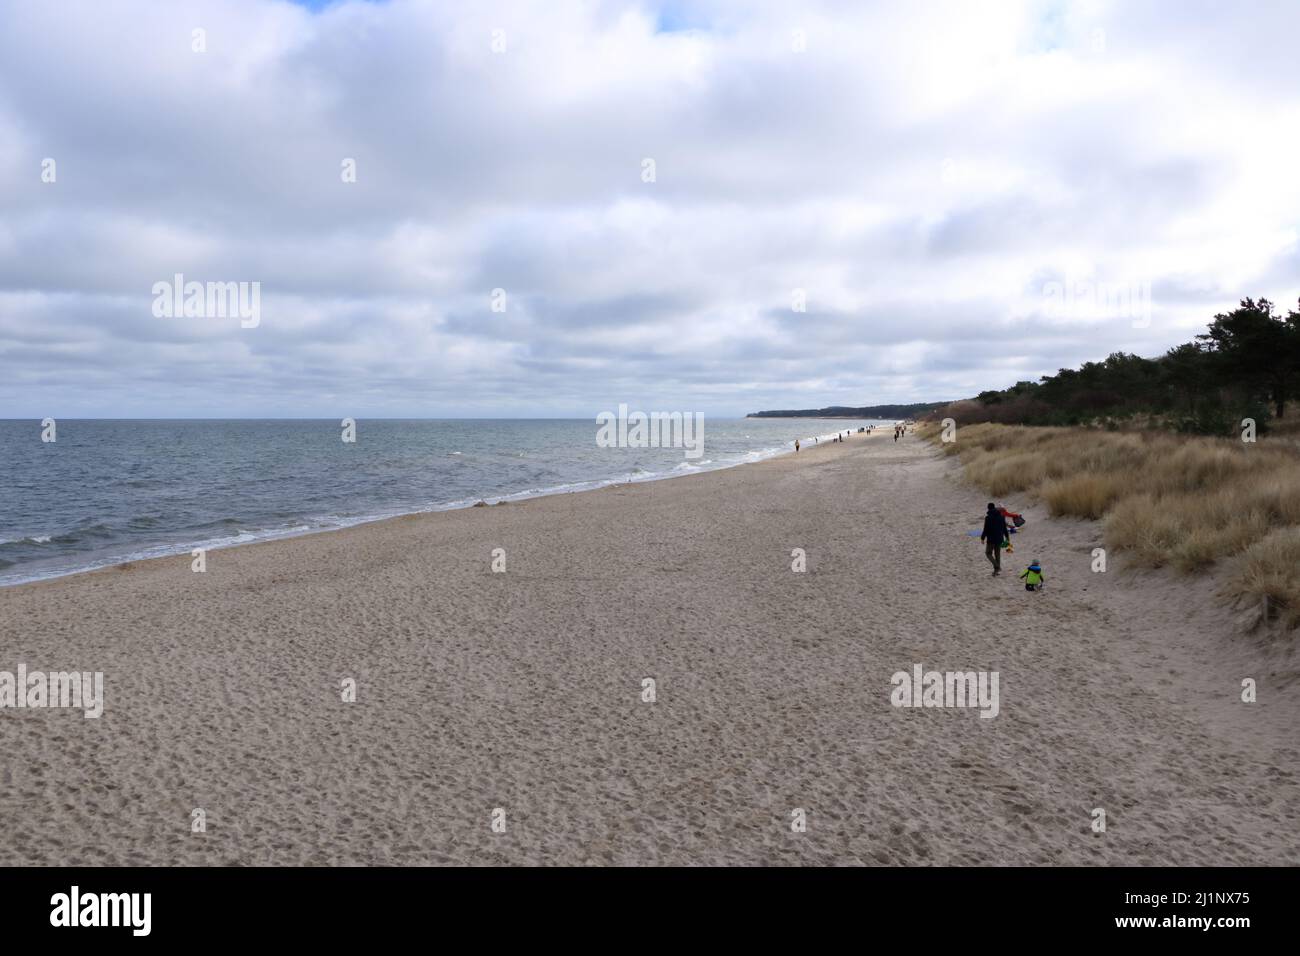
522 690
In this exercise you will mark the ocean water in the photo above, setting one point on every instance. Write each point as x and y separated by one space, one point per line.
111 491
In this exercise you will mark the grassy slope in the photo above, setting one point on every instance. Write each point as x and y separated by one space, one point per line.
1166 499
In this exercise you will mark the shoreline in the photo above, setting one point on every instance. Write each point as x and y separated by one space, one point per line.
523 690
184 551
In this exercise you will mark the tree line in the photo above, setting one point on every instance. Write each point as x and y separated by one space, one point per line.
1245 365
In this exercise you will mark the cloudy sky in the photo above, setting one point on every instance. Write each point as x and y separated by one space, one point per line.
947 186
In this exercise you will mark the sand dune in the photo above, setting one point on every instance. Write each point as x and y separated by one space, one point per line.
522 690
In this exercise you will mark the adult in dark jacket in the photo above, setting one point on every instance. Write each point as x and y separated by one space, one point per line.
994 533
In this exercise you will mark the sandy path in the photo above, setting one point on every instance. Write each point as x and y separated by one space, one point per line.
522 691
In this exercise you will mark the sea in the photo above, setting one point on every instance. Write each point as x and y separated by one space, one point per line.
108 491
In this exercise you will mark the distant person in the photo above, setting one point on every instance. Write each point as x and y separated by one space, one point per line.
796 446
993 534
1033 576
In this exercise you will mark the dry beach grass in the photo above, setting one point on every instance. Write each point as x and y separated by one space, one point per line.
1182 501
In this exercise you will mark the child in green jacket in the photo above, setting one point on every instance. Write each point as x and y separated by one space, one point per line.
1032 576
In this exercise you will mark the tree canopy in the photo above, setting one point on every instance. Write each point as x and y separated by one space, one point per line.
1246 364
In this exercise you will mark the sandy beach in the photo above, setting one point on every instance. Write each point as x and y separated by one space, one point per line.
523 690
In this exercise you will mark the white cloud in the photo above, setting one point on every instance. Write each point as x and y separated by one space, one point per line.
921 170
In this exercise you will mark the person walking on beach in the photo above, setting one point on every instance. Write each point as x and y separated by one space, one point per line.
796 446
1033 576
993 534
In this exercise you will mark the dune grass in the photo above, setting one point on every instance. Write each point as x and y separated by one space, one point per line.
1270 571
1167 500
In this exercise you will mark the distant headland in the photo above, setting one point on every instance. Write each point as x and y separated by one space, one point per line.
843 411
